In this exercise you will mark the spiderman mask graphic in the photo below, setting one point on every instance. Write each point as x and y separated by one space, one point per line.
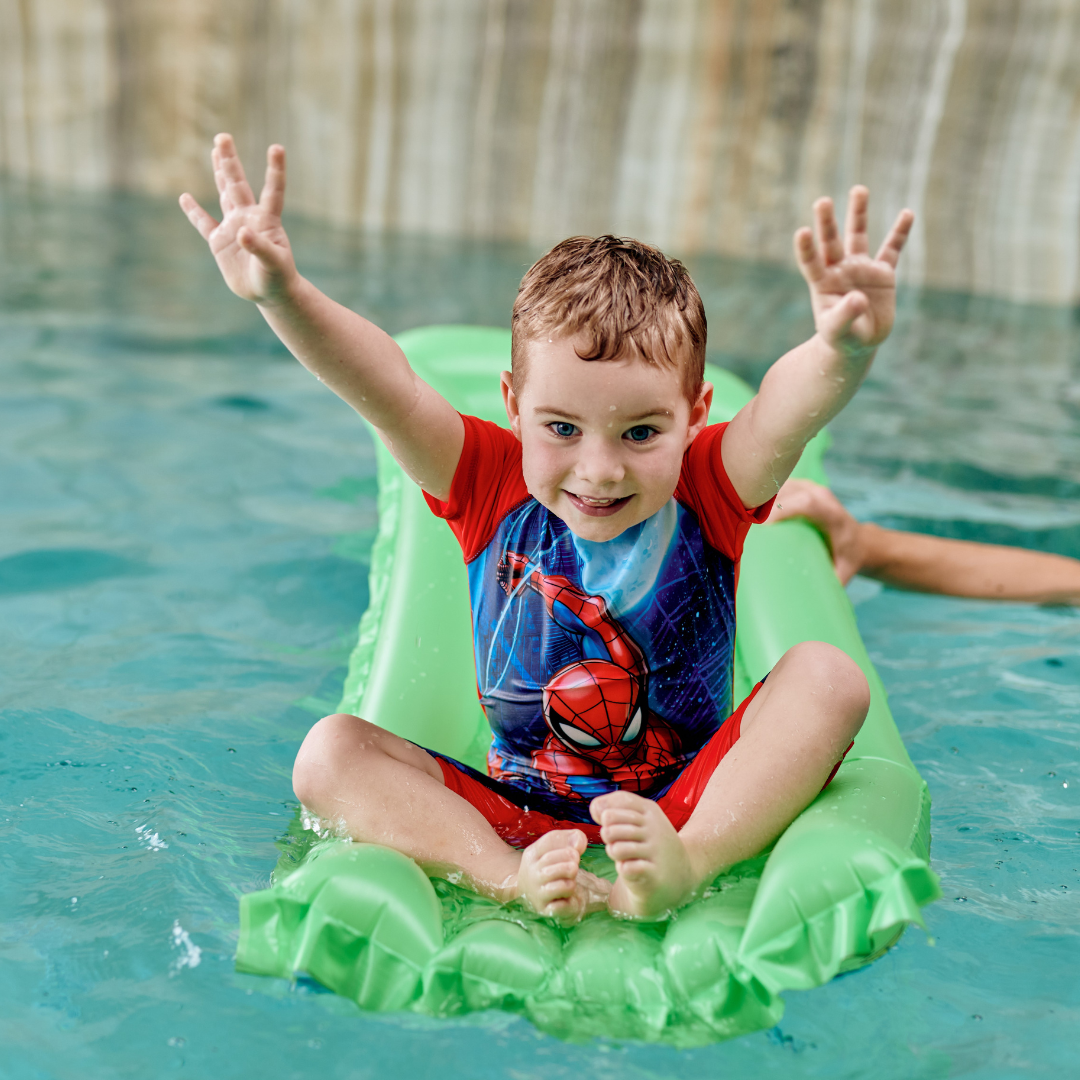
596 710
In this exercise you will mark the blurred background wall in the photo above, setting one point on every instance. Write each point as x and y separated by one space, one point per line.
699 125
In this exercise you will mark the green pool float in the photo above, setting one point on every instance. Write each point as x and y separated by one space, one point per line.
834 892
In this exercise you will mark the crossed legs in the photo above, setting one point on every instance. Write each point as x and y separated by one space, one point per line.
385 790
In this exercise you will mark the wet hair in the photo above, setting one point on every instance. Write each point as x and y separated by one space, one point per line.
622 297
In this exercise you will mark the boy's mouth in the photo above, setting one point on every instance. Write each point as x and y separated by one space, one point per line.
597 507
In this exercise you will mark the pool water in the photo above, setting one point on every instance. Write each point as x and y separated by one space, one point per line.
185 521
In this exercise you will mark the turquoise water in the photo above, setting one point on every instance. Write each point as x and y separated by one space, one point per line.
186 517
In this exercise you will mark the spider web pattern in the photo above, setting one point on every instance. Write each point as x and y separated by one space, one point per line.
687 630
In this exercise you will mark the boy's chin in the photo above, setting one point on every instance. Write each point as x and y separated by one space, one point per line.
597 529
597 533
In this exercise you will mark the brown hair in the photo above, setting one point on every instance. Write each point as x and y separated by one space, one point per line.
622 296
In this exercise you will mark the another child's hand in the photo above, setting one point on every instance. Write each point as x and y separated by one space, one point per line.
804 498
249 243
853 295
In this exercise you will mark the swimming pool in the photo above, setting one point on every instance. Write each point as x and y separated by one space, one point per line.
185 517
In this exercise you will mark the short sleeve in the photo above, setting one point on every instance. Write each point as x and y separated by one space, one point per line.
487 485
706 489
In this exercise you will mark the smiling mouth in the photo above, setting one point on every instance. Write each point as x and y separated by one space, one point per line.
597 507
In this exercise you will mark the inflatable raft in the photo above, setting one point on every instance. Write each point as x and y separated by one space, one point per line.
835 891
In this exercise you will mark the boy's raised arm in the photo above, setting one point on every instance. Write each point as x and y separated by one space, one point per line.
359 362
854 302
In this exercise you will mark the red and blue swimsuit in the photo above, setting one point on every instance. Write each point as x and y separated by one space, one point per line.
600 665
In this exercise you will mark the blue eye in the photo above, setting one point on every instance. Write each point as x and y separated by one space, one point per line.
563 429
641 433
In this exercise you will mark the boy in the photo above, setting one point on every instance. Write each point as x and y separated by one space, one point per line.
602 534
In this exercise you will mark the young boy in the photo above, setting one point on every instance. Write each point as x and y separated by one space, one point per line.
602 533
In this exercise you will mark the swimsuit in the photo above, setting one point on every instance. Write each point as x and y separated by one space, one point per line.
600 665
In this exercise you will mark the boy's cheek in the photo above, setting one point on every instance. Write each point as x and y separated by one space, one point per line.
541 466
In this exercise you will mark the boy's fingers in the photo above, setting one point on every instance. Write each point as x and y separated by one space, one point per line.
827 231
197 216
272 198
219 176
894 242
840 317
239 190
222 182
856 241
258 245
806 255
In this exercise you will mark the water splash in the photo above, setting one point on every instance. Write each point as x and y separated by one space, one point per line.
190 953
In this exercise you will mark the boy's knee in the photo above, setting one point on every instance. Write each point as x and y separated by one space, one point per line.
828 666
334 740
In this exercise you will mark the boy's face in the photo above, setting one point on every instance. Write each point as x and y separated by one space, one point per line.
602 442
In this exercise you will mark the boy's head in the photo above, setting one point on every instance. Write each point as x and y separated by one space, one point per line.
619 298
606 391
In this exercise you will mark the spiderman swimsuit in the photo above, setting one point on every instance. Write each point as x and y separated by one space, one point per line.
600 665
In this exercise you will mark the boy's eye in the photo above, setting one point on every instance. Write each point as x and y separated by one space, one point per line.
563 429
640 433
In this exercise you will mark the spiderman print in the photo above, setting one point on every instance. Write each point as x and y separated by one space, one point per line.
596 709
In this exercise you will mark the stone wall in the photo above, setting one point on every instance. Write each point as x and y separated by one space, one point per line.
700 125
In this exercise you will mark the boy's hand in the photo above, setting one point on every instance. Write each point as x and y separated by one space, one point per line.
353 357
249 243
853 295
854 301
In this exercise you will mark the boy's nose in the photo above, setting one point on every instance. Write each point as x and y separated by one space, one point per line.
599 464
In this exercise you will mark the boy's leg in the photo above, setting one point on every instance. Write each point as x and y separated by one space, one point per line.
383 789
793 733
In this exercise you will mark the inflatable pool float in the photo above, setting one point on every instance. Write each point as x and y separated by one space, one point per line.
834 892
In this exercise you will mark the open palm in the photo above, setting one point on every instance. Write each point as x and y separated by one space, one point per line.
249 243
852 294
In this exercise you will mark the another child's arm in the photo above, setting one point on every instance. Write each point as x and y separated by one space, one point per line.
930 564
854 302
359 362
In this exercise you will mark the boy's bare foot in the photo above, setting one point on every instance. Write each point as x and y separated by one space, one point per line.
551 881
804 498
654 868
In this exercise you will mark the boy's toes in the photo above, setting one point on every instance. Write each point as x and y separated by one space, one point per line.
617 802
652 863
557 840
624 820
548 875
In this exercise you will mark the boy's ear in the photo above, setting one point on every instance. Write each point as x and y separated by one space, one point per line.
510 401
699 412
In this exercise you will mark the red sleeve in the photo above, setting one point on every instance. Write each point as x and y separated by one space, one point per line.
706 489
487 485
